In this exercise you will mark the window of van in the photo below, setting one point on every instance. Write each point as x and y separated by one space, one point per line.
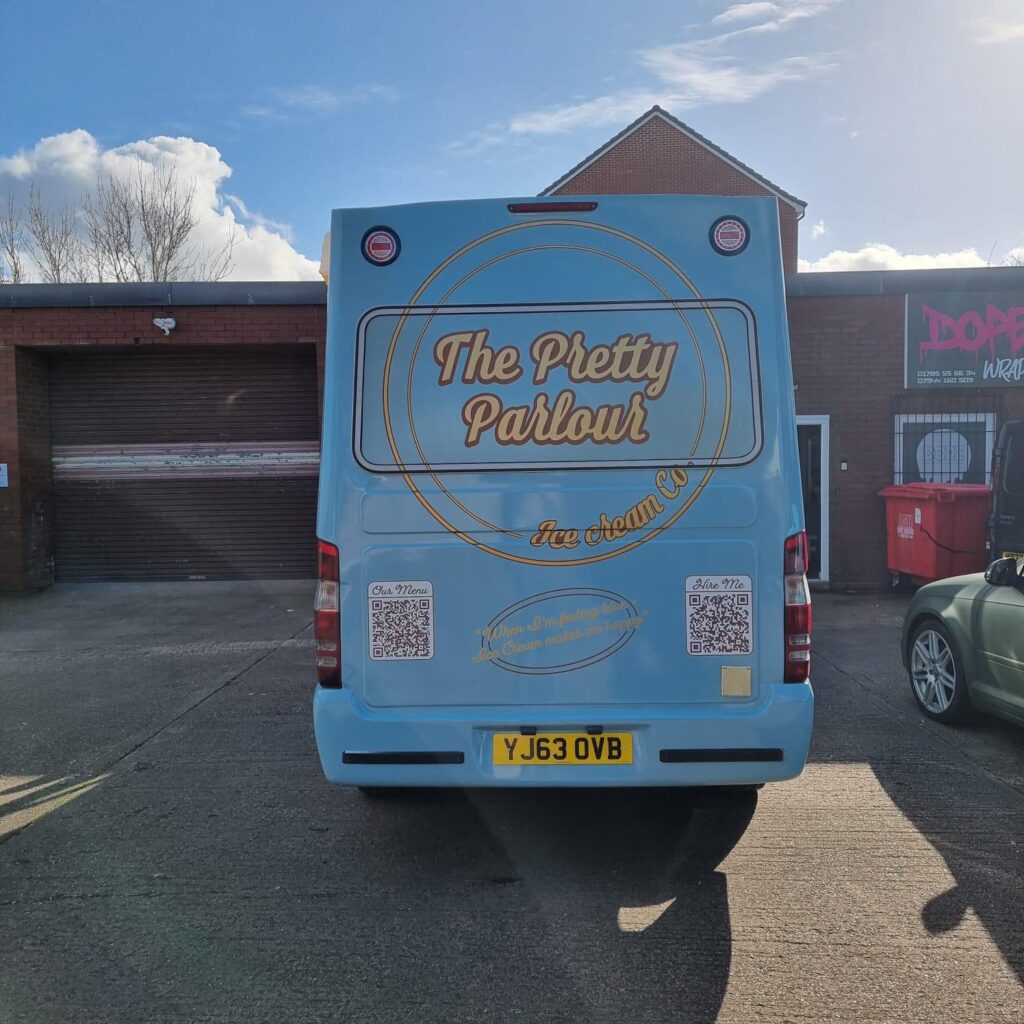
558 386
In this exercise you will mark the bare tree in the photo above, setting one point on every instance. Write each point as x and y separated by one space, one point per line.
12 241
134 227
54 242
139 228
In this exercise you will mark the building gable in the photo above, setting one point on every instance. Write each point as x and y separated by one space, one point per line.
659 153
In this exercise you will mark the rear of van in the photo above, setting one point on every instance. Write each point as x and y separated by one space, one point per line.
560 521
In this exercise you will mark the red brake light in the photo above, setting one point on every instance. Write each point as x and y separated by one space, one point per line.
551 207
796 554
797 611
327 616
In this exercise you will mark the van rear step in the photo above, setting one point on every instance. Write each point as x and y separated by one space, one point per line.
403 757
721 755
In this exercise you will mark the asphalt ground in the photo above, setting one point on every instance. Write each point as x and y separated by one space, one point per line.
169 850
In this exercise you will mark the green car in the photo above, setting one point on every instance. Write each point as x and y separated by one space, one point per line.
963 644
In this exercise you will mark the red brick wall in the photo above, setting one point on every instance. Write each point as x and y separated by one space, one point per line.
848 365
659 158
197 325
27 335
11 555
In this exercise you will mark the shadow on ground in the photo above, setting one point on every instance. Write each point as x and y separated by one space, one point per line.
534 905
983 848
959 787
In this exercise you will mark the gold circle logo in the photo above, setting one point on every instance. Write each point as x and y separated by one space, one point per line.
673 482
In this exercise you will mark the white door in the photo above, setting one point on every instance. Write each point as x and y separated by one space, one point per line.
812 434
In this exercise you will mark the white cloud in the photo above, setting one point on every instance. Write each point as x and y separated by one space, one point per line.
686 79
819 229
695 79
610 109
989 31
276 226
63 167
878 256
285 104
679 77
777 16
745 12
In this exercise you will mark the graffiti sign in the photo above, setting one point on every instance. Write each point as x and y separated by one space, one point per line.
965 339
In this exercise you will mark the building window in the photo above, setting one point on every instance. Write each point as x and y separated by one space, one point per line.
944 448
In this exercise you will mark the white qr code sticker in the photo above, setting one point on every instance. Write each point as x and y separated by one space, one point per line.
401 616
719 615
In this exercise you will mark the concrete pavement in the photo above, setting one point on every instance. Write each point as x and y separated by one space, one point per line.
169 850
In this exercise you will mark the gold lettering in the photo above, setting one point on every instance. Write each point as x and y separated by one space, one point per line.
555 538
600 360
515 426
650 508
547 351
446 354
642 514
506 365
670 482
635 419
659 368
483 364
634 358
630 358
561 422
479 413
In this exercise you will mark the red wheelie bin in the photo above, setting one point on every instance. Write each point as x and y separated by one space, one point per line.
935 530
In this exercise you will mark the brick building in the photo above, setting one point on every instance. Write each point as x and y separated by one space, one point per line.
131 453
858 421
657 153
135 454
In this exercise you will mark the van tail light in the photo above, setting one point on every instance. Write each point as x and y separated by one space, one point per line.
327 616
797 612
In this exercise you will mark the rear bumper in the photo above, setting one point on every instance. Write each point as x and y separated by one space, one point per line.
672 746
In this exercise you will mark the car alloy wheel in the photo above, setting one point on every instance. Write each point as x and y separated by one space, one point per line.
933 671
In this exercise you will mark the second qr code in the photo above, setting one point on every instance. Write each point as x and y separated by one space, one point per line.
401 617
719 615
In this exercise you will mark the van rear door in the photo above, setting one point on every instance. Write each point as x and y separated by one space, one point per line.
562 458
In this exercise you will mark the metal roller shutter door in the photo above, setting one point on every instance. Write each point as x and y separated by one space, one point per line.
172 464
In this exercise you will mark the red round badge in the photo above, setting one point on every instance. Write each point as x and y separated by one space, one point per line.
381 246
729 236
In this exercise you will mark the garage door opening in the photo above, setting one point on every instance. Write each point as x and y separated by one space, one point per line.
185 465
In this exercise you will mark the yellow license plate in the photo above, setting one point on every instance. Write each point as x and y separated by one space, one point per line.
1014 554
513 748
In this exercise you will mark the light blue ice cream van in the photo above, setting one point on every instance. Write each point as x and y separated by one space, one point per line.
560 521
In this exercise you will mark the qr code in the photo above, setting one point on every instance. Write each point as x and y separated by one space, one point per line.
719 615
401 621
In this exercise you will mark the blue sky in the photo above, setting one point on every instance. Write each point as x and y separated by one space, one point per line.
897 120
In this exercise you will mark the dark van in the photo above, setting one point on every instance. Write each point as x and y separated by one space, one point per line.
1007 535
